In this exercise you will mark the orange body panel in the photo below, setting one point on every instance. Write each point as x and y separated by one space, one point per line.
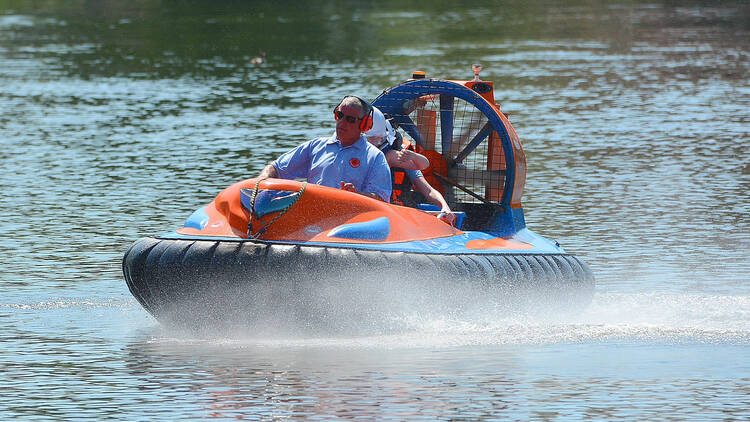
437 164
427 126
319 210
496 243
519 158
489 96
495 161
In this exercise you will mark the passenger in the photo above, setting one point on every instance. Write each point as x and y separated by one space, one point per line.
409 162
344 160
383 136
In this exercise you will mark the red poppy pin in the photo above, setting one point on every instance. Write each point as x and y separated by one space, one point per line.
354 162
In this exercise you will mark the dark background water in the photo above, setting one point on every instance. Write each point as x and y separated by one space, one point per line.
118 119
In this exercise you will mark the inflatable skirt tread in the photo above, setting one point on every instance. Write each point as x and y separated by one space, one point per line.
162 272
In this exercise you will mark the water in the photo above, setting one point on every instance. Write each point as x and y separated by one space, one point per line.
118 120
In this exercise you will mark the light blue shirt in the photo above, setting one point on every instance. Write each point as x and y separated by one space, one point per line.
324 161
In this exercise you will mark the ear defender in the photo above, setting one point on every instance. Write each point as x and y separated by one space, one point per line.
366 123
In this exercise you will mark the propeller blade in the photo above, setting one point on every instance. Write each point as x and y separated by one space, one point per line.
478 139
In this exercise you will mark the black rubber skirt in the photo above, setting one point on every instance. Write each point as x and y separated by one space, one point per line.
241 282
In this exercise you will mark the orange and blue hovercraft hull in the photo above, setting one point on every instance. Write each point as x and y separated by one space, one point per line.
274 251
332 251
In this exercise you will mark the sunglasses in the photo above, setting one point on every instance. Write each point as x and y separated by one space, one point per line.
340 114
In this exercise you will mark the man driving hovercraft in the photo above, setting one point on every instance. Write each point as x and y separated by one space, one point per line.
345 160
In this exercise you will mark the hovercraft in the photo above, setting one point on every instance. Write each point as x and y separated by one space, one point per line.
288 240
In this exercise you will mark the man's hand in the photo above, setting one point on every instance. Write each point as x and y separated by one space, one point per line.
348 187
268 171
447 217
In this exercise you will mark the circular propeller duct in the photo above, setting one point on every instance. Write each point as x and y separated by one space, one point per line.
463 134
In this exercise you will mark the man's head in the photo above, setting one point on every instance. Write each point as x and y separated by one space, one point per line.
353 116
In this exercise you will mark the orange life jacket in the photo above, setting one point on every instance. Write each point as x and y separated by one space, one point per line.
400 180
401 183
403 192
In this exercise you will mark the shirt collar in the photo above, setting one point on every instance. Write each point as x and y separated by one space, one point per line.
358 144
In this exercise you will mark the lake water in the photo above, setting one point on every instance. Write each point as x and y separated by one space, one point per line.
117 120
